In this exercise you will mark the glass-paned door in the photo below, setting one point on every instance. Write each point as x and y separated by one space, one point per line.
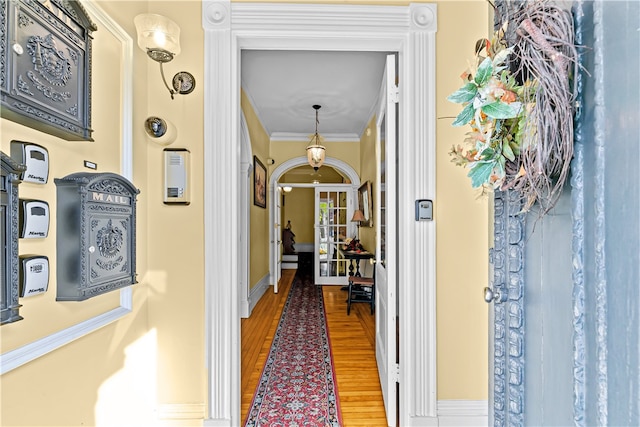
333 207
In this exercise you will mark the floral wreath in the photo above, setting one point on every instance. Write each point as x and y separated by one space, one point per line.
519 101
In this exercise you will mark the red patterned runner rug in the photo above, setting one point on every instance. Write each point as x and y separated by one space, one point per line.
298 385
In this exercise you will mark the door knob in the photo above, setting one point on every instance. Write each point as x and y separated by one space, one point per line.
494 296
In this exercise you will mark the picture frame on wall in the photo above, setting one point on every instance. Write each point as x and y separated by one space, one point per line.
259 183
365 204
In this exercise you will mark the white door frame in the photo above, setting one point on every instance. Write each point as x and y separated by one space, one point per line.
408 30
244 210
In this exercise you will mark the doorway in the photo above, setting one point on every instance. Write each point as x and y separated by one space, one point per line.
408 30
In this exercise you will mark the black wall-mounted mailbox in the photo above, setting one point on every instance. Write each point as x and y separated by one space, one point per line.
45 76
96 235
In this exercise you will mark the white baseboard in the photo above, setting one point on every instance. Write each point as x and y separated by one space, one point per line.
244 308
467 413
257 291
181 411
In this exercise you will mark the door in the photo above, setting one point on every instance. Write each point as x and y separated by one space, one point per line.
333 210
565 322
385 268
276 240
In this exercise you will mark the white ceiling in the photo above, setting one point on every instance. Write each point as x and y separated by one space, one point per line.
284 85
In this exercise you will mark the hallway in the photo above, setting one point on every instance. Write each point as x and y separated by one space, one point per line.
353 346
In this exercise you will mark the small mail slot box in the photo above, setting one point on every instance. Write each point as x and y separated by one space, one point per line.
96 235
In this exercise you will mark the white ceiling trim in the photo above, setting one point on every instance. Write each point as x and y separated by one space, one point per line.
333 137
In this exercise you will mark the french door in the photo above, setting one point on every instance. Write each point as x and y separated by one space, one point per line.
333 210
276 241
386 271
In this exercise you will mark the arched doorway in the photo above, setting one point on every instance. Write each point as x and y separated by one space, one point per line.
274 211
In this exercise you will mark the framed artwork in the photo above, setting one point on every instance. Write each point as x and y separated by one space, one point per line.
259 183
365 204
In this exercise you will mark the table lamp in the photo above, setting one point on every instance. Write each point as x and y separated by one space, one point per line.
358 216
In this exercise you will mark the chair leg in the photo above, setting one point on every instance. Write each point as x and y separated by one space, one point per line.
373 298
349 300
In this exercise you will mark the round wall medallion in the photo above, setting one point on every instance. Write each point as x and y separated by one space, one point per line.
155 127
184 82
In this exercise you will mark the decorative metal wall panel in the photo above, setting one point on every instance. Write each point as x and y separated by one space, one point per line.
96 243
578 243
45 66
9 274
507 265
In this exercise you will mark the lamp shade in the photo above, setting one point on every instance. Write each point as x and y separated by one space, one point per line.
315 155
157 33
357 216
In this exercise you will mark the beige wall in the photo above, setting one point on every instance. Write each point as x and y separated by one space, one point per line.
461 218
259 217
299 208
368 172
156 353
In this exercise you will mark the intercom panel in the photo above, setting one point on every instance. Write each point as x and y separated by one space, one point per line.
35 158
34 219
176 176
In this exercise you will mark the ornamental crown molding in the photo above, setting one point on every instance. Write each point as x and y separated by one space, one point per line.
223 15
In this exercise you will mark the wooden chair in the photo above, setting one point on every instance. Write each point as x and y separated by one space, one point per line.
361 289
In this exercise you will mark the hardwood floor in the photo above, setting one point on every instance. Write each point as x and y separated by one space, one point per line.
352 342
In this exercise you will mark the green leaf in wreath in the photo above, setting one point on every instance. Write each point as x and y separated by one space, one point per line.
484 72
500 110
480 173
487 154
465 116
515 148
506 151
464 94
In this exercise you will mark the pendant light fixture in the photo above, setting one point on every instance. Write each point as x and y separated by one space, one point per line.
315 151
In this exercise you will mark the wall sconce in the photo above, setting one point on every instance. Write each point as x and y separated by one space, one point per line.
287 189
159 36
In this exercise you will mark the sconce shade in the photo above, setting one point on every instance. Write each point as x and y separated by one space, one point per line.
358 216
158 35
